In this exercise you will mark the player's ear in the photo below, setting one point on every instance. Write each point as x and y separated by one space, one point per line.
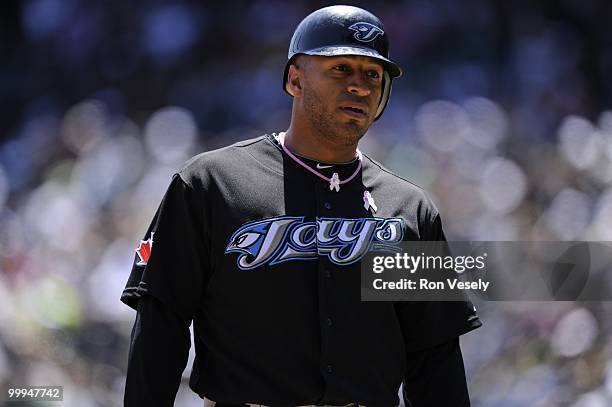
294 80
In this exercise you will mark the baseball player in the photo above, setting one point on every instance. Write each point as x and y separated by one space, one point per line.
259 244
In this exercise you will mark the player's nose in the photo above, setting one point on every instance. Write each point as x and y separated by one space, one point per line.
358 85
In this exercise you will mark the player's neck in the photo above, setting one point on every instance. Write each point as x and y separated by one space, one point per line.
308 145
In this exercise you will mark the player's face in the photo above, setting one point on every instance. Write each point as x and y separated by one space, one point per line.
341 95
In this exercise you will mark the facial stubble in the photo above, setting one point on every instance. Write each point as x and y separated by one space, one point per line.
327 125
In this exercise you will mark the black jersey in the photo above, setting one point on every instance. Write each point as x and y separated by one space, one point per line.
264 257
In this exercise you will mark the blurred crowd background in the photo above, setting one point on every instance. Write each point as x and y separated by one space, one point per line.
504 114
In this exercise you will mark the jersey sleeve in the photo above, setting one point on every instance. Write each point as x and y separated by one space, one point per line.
429 323
170 262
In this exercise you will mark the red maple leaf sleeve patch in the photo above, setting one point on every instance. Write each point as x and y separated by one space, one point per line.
144 251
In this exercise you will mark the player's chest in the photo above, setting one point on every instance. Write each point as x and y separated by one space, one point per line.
285 223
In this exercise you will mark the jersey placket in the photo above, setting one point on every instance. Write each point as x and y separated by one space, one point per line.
324 209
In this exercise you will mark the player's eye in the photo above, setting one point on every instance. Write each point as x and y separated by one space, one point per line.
341 68
372 74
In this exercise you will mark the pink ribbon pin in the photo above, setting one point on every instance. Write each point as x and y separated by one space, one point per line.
368 201
334 182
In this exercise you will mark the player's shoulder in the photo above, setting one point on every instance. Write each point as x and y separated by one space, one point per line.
393 184
223 153
227 158
388 176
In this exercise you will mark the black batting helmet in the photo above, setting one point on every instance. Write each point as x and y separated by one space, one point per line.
344 30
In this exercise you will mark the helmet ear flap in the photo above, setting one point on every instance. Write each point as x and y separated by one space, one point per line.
384 95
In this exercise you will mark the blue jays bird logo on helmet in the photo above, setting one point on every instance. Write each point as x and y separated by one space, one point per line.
365 32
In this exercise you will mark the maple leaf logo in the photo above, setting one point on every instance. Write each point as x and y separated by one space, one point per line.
144 251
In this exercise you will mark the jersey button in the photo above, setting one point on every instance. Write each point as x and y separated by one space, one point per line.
327 273
330 368
327 205
330 322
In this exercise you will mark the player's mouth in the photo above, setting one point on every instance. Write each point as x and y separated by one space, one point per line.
354 110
